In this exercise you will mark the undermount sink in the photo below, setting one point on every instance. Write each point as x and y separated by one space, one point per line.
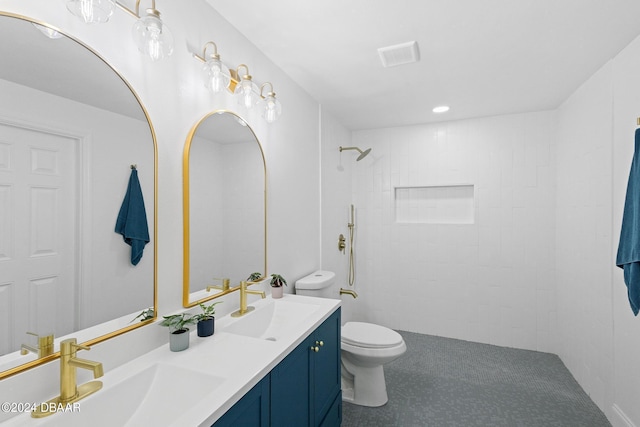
157 395
273 320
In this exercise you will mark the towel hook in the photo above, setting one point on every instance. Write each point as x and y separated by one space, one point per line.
134 167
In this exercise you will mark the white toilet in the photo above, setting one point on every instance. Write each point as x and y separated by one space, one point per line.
365 347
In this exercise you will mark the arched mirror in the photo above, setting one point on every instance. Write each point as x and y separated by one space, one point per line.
70 129
224 196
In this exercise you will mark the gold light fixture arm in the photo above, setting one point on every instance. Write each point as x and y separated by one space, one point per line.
136 13
244 76
271 92
203 58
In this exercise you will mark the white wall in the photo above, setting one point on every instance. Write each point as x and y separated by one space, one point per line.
491 281
599 338
175 99
337 169
626 327
583 243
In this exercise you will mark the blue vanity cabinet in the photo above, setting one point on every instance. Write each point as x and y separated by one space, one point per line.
290 388
325 368
250 411
302 390
305 386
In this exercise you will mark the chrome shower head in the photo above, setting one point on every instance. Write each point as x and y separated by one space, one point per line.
362 155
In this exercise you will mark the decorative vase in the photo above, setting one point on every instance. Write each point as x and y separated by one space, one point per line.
276 292
179 340
206 327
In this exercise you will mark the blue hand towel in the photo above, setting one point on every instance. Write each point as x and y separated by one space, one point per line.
628 257
132 219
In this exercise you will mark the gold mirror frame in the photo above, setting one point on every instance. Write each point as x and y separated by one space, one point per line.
37 362
186 218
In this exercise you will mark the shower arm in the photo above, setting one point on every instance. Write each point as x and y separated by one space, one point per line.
350 148
362 155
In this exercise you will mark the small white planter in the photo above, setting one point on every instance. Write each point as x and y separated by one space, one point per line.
276 292
179 341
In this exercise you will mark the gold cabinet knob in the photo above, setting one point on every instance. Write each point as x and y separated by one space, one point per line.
320 343
315 348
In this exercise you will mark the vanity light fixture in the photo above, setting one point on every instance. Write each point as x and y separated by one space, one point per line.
216 75
246 90
150 34
92 11
271 108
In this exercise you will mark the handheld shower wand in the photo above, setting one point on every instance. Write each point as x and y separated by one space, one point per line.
352 267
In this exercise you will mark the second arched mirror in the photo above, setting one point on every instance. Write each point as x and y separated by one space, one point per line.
224 199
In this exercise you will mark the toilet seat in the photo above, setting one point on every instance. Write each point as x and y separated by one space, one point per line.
368 335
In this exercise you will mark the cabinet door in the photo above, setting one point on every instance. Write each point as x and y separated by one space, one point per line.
325 367
290 388
250 411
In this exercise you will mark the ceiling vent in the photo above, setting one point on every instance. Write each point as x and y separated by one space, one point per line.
404 53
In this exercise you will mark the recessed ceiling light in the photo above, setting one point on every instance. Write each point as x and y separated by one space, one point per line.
441 109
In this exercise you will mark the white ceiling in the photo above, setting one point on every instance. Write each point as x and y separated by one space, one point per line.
482 58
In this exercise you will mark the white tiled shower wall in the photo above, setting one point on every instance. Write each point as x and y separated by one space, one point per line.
491 281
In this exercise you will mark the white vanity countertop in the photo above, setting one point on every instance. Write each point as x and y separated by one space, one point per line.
232 363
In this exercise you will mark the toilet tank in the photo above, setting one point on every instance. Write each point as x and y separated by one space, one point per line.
317 284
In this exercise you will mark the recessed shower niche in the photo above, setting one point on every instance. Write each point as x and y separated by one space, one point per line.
445 204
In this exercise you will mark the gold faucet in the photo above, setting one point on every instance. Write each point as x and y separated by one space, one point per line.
348 292
224 287
70 392
45 346
243 298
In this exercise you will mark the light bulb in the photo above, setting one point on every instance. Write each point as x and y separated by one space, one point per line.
92 11
271 108
247 93
152 37
216 75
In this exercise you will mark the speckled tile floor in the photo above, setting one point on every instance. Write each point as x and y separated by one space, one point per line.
446 382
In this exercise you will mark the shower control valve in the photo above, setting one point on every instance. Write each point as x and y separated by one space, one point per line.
342 243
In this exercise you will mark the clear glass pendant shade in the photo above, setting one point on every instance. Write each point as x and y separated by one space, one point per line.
271 108
92 11
152 37
216 75
247 93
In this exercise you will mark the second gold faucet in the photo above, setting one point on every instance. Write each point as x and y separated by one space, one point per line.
243 298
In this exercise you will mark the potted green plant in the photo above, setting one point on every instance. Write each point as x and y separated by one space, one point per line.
206 319
254 276
145 315
276 285
178 331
